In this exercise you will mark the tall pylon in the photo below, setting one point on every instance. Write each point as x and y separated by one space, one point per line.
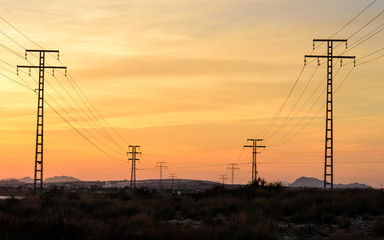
233 168
132 150
160 166
328 162
254 147
39 149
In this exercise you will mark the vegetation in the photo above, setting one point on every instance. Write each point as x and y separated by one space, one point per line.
252 212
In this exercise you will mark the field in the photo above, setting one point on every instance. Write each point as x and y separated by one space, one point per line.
250 212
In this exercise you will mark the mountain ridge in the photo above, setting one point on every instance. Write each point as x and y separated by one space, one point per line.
301 182
311 182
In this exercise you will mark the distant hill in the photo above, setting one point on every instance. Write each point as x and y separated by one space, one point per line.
21 180
307 182
352 185
57 179
316 183
26 180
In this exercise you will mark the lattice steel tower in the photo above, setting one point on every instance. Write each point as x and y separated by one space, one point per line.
38 174
222 179
232 168
172 176
328 162
132 150
160 166
254 147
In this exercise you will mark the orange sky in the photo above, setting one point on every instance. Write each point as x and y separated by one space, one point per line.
190 81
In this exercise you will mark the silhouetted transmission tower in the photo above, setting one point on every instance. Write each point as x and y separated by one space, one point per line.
160 166
132 150
38 175
233 168
254 147
328 163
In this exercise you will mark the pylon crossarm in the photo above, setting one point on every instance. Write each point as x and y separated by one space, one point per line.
325 56
24 66
327 40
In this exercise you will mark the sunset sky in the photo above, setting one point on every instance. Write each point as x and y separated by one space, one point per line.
190 81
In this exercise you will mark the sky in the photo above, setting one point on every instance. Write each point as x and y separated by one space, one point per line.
190 82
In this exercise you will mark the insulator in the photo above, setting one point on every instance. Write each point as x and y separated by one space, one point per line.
346 45
313 45
341 62
17 71
65 73
318 62
305 61
354 62
25 55
53 72
29 71
58 56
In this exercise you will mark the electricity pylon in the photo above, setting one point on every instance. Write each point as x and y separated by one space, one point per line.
38 174
254 147
328 162
172 176
222 179
160 166
233 168
133 152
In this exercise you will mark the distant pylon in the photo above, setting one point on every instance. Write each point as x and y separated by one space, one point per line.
160 166
222 179
328 162
254 147
172 176
233 168
39 150
132 150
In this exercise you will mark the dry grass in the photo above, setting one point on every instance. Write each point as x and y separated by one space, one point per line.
246 213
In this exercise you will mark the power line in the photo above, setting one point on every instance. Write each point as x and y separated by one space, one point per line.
107 136
74 128
20 32
314 116
203 166
369 22
75 121
306 163
266 130
360 41
16 54
94 108
12 51
370 60
349 22
25 86
297 101
308 111
12 40
381 49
